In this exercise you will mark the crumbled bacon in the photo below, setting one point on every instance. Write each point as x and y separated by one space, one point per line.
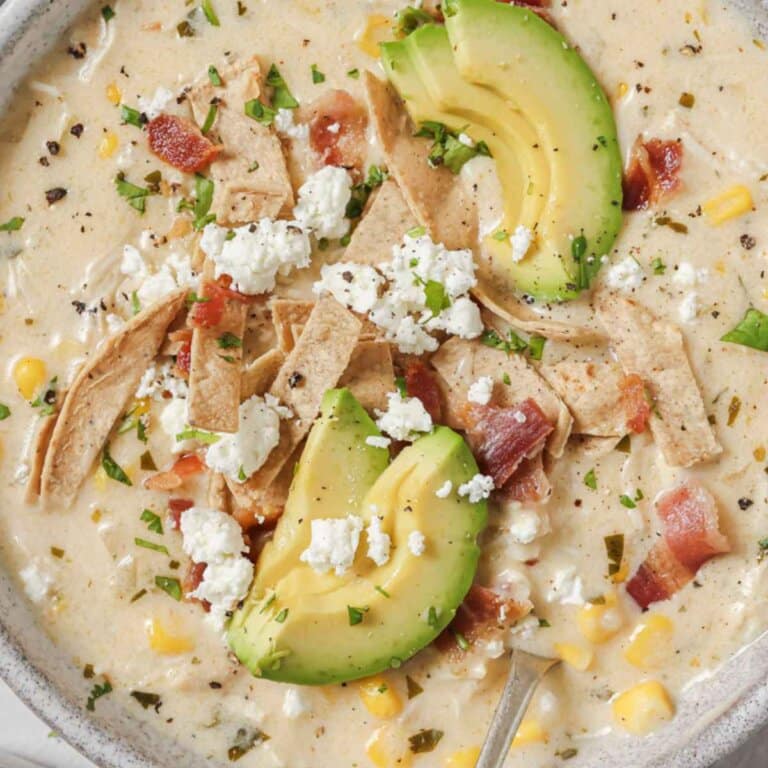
175 509
192 580
529 483
184 358
688 515
635 402
653 173
501 438
179 143
337 130
420 382
183 468
208 310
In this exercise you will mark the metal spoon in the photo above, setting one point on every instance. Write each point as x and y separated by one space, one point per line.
525 673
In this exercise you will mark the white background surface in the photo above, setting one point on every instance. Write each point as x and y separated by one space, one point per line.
22 734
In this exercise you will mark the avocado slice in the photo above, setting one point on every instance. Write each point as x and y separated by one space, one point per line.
504 76
296 625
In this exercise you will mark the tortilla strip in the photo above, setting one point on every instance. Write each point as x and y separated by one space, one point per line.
320 358
460 363
98 396
40 444
242 195
435 196
382 227
214 373
285 314
593 395
370 374
257 377
654 349
218 493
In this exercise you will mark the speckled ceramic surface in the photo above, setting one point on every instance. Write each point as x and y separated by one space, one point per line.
716 714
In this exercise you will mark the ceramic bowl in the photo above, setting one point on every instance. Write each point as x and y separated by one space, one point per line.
715 715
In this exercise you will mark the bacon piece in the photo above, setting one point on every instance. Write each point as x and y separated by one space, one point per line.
688 515
184 358
529 483
502 437
420 382
183 468
652 175
175 509
337 129
191 581
635 401
179 143
208 312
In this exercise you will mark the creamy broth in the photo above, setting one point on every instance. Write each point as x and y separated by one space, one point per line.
70 252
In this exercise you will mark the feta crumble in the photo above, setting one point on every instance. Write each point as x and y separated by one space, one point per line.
210 536
461 319
477 489
323 200
354 285
526 526
417 543
520 240
256 253
444 491
173 421
224 584
154 105
378 441
333 544
688 276
567 587
240 454
295 704
404 418
625 275
689 307
37 583
285 125
157 380
379 543
481 391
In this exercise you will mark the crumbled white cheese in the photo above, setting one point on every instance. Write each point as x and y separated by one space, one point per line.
155 286
283 411
211 536
411 338
37 583
323 200
477 489
333 545
156 381
224 584
404 418
481 391
379 542
688 276
461 319
378 441
526 526
417 543
466 140
689 307
625 275
285 125
295 704
154 106
520 240
354 285
256 253
133 264
114 322
240 454
173 421
444 491
146 239
567 587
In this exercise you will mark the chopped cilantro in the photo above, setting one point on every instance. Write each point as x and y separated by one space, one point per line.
401 386
210 118
317 76
107 13
409 19
112 468
147 700
170 586
505 378
544 624
627 501
282 616
425 740
210 13
414 689
96 693
354 73
193 298
153 521
147 463
203 201
361 192
46 400
260 112
590 480
151 545
214 76
356 614
752 331
415 233
382 591
461 641
131 116
614 549
282 98
134 195
135 303
229 341
241 476
501 235
536 347
12 225
245 740
586 271
207 438
435 297
447 149
658 266
5 411
625 444
513 342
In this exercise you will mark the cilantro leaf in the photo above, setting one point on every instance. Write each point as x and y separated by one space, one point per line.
214 76
282 98
208 438
210 13
12 225
317 76
134 195
260 112
751 332
112 468
409 19
153 521
435 297
203 201
161 548
170 586
229 341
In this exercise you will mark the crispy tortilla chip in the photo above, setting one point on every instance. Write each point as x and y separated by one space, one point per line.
370 374
218 493
40 443
319 360
98 396
388 218
285 314
215 372
654 349
250 175
435 196
460 363
593 395
257 377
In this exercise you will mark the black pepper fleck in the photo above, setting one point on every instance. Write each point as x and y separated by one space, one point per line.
745 503
55 194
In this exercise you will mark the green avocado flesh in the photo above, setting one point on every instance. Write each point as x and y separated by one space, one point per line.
295 626
504 76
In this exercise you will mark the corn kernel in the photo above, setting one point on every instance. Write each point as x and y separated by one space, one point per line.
599 623
621 90
759 453
108 145
650 644
375 32
100 479
720 267
96 516
643 708
577 656
113 94
379 698
621 575
730 204
165 642
387 748
530 732
464 758
29 375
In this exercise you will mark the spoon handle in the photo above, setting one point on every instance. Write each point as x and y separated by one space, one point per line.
525 673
